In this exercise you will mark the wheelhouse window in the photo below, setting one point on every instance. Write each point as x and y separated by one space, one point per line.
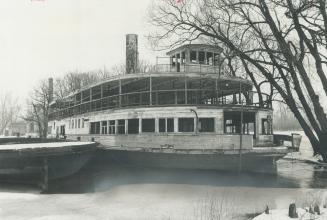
210 58
104 127
201 57
148 125
186 124
216 59
133 126
112 128
193 56
183 58
206 124
95 128
121 126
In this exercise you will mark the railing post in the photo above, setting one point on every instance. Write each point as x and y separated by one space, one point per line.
119 92
150 89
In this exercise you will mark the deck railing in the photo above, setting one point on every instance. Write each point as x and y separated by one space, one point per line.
188 68
178 97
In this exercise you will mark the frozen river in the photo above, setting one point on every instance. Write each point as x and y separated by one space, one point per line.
122 193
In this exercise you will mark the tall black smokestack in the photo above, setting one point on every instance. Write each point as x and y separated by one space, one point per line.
50 81
131 53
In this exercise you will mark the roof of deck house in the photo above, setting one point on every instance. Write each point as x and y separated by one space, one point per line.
206 47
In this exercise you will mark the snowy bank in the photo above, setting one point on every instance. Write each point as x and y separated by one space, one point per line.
282 214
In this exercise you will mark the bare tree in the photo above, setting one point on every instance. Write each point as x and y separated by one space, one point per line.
39 106
9 111
283 41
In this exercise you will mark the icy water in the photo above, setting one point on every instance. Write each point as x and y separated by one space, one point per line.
125 193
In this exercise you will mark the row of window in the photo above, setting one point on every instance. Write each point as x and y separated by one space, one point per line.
76 123
149 124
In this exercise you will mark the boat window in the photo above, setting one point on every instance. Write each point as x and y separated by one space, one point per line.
79 123
166 125
76 123
162 125
173 61
266 126
209 58
121 127
104 127
201 57
112 127
170 125
216 59
193 56
206 124
95 128
73 123
133 126
183 58
186 124
148 125
82 122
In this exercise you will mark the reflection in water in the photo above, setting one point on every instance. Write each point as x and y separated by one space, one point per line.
291 174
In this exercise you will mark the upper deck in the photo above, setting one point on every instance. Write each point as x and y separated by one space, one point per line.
192 77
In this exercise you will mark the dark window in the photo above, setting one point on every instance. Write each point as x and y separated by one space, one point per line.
104 127
79 123
186 125
121 126
112 128
173 61
206 124
216 59
266 126
148 125
193 56
170 125
95 128
201 57
82 122
183 58
209 58
166 125
162 125
133 126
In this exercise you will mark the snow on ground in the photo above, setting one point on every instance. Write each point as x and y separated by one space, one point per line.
282 214
41 145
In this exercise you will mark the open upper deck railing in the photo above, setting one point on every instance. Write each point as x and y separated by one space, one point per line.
188 68
177 97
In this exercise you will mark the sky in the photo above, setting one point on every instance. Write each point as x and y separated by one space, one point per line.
48 38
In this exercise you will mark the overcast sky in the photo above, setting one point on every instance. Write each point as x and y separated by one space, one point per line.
43 38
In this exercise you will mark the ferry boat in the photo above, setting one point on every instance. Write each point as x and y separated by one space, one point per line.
186 113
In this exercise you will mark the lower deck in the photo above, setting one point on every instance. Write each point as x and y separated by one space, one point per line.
186 127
